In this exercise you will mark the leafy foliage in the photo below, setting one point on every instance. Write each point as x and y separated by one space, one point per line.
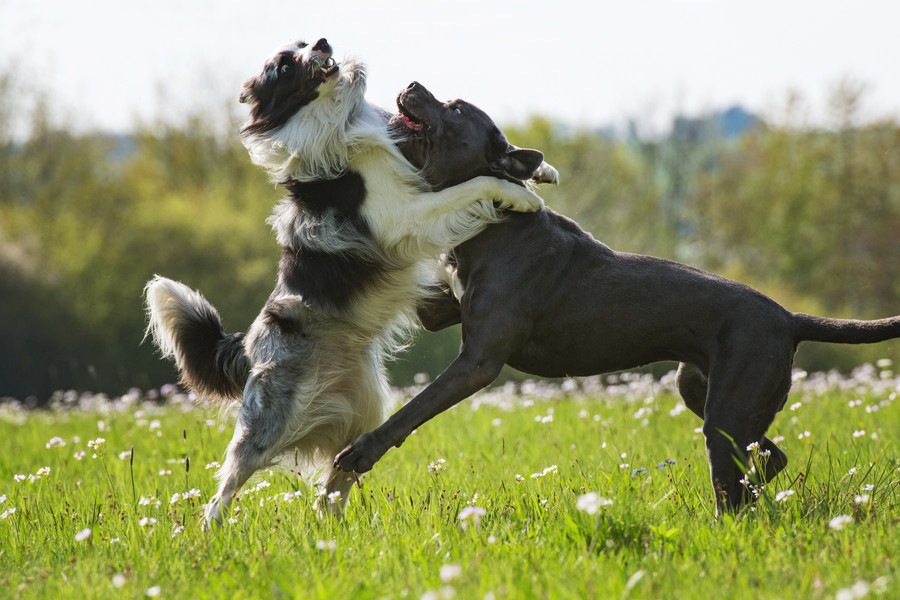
808 215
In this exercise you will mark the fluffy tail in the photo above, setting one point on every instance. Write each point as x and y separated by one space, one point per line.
186 327
844 331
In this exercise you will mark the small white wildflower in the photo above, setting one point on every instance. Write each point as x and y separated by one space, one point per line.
643 412
783 495
679 408
125 454
56 442
154 425
334 497
861 499
118 580
2 498
96 444
547 471
853 471
591 502
437 466
115 540
80 454
177 530
859 433
860 589
19 477
519 477
83 535
213 465
43 472
8 512
471 513
840 521
796 405
326 545
450 572
497 422
803 435
753 447
165 472
147 521
152 592
866 488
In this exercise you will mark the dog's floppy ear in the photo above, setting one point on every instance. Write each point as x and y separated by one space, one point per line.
518 163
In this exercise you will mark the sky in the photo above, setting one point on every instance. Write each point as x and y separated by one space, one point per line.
108 64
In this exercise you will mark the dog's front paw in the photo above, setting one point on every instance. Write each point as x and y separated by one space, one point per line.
519 199
361 455
546 173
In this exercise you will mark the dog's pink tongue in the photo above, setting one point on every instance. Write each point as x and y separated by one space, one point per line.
410 123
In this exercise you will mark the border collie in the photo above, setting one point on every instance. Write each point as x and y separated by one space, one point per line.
359 232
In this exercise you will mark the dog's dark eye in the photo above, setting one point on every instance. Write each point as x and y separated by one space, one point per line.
285 68
457 110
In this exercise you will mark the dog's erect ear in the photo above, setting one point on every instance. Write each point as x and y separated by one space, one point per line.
519 163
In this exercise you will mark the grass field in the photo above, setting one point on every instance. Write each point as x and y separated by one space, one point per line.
542 491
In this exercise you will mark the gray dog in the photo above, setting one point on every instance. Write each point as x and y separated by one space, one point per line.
540 294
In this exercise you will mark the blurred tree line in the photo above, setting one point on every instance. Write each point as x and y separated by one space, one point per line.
809 215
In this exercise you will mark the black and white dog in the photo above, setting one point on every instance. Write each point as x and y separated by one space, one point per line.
359 230
540 294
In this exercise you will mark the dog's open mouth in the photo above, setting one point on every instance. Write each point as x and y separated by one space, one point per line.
325 67
407 119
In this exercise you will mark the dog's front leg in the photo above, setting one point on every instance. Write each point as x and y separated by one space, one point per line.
432 205
483 355
461 379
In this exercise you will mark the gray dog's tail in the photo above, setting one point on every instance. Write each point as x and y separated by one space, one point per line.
186 327
844 331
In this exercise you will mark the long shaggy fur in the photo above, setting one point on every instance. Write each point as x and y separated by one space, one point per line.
186 328
359 234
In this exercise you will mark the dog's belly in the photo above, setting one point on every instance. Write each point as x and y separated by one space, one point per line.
584 355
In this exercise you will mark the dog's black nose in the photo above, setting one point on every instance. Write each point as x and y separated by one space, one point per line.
322 46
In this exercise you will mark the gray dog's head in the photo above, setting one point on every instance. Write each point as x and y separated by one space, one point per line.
456 141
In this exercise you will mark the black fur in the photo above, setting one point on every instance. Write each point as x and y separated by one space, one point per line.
543 296
331 280
284 86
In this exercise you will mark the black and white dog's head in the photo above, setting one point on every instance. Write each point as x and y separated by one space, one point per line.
455 141
306 110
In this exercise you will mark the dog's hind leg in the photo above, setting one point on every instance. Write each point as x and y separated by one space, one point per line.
260 437
333 498
745 392
693 385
